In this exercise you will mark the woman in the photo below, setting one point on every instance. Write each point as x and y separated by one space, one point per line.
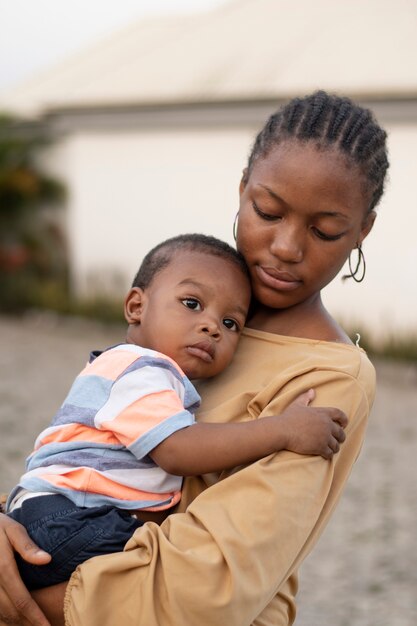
307 200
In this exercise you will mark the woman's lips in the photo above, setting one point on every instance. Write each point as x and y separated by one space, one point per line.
275 279
204 350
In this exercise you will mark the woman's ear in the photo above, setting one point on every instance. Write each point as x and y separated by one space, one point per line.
243 181
133 306
367 225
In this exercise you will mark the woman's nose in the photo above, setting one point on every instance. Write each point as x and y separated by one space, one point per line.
287 243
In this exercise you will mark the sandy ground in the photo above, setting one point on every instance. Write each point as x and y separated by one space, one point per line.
363 572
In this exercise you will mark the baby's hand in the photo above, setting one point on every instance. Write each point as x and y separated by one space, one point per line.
313 430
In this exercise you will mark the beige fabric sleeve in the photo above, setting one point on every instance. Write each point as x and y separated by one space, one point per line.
282 608
233 551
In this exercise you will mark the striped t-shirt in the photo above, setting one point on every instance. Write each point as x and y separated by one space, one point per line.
124 403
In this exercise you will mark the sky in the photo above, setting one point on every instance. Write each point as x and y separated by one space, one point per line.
36 34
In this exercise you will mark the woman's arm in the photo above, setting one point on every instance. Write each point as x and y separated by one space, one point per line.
282 608
233 550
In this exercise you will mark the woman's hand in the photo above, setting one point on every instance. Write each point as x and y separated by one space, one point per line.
16 603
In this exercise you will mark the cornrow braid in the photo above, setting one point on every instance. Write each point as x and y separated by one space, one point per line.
292 115
330 121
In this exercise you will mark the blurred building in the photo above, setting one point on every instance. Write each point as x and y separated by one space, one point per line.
154 126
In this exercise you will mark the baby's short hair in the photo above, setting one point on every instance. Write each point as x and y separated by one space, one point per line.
161 255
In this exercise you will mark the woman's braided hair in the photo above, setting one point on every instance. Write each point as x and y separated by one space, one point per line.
329 121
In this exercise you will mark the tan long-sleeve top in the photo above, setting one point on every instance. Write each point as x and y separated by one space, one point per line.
230 557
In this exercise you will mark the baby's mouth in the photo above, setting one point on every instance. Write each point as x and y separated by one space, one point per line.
204 350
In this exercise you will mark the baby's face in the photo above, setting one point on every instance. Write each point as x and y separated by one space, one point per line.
193 311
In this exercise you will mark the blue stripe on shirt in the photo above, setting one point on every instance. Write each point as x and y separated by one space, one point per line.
90 458
89 391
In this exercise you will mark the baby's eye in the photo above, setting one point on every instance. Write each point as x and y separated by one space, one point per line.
191 303
231 324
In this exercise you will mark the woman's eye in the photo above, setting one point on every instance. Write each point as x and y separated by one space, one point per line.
321 235
191 303
262 214
231 324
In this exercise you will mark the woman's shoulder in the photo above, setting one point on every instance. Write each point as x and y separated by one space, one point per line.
299 354
336 342
271 370
290 365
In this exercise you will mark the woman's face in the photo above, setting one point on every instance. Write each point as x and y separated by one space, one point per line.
302 211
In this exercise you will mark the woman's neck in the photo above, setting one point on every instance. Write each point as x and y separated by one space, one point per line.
308 320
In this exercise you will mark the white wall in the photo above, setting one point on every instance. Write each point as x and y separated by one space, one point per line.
131 189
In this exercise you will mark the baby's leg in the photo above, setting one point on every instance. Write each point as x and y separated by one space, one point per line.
70 534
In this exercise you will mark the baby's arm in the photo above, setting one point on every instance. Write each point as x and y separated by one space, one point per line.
203 448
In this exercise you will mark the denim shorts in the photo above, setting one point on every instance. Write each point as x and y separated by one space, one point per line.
71 534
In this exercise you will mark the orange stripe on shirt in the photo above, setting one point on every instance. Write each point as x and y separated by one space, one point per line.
143 415
98 483
89 481
76 479
79 432
110 364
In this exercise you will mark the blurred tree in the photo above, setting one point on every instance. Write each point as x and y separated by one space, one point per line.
33 263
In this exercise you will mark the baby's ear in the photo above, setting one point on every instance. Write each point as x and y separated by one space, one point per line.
134 305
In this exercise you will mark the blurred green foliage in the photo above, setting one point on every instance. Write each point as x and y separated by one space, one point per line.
394 346
33 259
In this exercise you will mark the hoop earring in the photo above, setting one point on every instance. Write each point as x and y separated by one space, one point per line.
360 262
235 226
